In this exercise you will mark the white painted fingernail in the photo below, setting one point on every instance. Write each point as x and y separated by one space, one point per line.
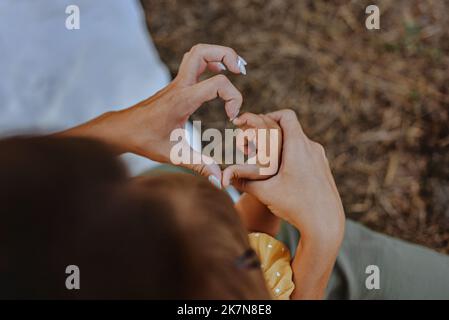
221 66
243 61
241 66
214 180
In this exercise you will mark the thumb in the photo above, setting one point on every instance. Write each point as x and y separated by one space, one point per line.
247 186
204 165
236 174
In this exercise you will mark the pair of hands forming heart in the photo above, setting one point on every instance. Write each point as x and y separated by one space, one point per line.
260 139
145 128
300 190
291 193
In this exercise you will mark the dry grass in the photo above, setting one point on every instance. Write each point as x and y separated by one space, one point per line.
377 100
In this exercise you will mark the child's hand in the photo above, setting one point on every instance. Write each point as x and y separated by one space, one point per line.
304 193
261 140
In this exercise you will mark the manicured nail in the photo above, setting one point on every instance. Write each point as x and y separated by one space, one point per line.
214 180
243 61
221 66
241 65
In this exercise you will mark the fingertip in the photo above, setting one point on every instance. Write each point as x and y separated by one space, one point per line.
225 178
233 63
237 121
241 119
241 63
234 115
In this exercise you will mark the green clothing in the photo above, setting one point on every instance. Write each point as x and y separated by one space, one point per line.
406 271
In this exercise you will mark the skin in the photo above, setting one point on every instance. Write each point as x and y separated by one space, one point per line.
303 192
145 128
291 194
249 122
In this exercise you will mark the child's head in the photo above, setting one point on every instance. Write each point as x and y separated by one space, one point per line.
69 202
213 238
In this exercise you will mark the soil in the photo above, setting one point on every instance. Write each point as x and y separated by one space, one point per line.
377 100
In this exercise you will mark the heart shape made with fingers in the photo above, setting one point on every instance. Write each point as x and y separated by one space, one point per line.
260 140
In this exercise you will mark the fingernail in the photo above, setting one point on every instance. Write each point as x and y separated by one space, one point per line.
236 114
241 65
214 180
243 61
221 66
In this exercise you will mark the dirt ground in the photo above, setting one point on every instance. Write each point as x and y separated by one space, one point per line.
377 100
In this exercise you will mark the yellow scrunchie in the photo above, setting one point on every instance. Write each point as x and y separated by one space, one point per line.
274 257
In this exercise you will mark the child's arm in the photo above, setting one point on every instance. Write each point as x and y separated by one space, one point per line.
256 216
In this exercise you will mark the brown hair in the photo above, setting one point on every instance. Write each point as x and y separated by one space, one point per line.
69 201
213 237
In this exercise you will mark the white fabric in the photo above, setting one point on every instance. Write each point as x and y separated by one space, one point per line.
53 78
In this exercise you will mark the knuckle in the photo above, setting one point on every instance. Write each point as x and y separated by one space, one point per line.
319 148
289 113
221 79
245 115
184 97
231 51
200 169
197 48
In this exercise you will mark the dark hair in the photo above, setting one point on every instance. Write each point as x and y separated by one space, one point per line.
66 201
69 201
213 237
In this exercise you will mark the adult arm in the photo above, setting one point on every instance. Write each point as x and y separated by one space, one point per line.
145 128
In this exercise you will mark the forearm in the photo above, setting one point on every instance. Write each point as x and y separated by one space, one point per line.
317 250
101 128
312 267
256 216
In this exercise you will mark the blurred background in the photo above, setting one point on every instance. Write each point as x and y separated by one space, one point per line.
377 100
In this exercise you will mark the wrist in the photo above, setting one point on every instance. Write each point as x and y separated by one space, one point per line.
312 267
256 216
324 246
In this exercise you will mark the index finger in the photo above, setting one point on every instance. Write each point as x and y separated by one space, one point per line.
194 62
287 120
216 87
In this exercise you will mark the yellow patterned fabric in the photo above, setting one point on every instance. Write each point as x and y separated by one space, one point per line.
275 259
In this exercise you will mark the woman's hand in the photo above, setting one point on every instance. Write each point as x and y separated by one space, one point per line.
304 193
145 128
